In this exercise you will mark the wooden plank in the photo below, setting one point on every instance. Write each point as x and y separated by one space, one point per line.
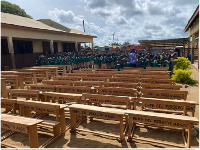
42 87
117 91
23 93
132 80
167 104
157 81
72 78
56 82
165 94
160 86
87 83
120 84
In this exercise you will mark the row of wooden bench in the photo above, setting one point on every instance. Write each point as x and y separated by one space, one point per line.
132 117
129 102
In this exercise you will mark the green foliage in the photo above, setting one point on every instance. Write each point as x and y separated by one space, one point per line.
183 76
7 7
181 63
116 43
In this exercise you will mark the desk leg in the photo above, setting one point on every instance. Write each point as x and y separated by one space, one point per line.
62 119
129 131
33 137
72 122
64 70
121 129
189 137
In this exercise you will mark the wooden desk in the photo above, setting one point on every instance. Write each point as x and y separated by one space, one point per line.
56 82
64 78
43 107
9 104
165 105
117 91
42 87
22 125
165 94
157 69
97 99
97 112
121 84
158 81
75 89
130 80
12 80
161 120
94 79
14 93
160 86
87 83
62 97
155 76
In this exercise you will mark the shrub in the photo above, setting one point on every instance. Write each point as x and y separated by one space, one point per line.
183 76
181 63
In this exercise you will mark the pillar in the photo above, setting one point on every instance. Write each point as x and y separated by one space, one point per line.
76 46
92 48
193 46
183 49
188 52
11 51
51 47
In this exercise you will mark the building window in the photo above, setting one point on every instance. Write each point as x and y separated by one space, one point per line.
22 47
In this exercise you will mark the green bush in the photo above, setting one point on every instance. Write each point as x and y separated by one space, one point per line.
183 76
181 63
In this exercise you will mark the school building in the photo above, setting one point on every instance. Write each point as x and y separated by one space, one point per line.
24 39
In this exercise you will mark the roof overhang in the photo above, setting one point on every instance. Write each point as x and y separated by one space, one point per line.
194 17
164 43
44 30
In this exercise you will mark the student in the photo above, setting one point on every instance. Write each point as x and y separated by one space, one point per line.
133 58
103 63
155 62
96 62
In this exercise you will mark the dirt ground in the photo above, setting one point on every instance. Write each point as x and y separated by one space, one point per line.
88 140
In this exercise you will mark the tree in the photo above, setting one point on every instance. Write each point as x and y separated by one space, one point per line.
116 43
126 43
10 8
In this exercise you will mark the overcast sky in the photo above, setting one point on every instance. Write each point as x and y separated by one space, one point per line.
131 20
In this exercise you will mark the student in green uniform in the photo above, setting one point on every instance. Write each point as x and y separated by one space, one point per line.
155 62
96 62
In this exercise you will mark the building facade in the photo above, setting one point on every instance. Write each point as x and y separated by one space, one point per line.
24 39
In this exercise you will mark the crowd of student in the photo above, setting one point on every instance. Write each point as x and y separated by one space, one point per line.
107 61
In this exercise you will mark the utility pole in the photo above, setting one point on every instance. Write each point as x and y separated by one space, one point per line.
84 31
113 39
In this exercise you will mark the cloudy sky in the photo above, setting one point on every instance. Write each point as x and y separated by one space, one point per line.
130 20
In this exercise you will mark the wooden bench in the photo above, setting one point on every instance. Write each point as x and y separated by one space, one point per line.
94 79
13 81
26 107
97 112
62 97
76 74
117 91
3 88
22 125
161 120
98 99
165 94
28 94
166 73
42 87
160 86
80 71
131 80
53 71
127 75
75 89
157 69
9 105
56 82
155 76
158 81
99 75
61 68
165 105
121 84
41 74
71 78
87 83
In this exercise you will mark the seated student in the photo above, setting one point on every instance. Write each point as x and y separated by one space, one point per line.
103 63
96 62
